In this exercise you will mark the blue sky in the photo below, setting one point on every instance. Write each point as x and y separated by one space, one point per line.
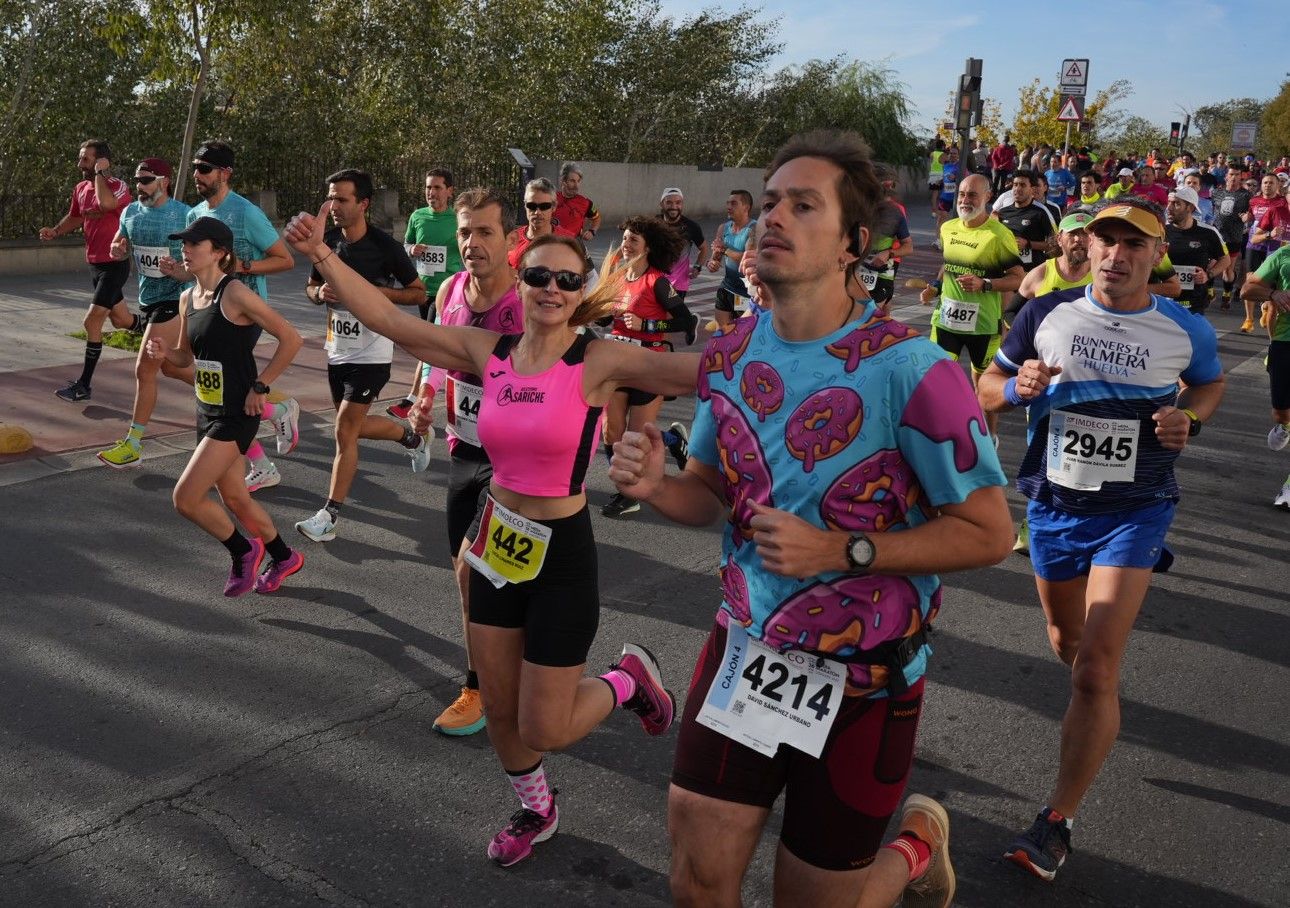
1185 52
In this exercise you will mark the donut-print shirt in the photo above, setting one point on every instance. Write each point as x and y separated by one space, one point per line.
866 429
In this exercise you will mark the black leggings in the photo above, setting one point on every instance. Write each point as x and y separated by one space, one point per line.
559 609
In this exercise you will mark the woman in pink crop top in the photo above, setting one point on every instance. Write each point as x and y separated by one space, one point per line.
647 310
534 600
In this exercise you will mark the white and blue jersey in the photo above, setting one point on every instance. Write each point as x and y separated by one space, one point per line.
735 241
868 429
1092 446
253 234
149 230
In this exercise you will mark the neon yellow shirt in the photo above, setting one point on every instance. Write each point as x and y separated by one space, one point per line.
987 251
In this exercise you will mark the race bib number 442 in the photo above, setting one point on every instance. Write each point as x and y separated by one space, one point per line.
509 547
763 698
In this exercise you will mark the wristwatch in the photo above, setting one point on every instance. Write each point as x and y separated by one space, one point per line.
1194 429
860 553
244 266
987 285
259 387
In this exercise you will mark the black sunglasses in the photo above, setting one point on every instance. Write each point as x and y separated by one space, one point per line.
144 179
540 276
539 206
203 168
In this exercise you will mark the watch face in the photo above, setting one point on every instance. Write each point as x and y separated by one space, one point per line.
861 551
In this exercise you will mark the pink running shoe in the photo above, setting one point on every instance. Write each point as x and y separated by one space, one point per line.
241 578
526 829
652 701
273 575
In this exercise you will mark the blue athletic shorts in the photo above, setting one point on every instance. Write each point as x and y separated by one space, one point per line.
1064 546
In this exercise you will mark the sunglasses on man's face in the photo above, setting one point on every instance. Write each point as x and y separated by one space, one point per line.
540 276
144 179
203 168
539 206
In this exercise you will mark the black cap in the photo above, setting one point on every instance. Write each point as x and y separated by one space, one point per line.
217 155
207 228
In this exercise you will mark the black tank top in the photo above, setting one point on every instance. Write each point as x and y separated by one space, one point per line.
224 361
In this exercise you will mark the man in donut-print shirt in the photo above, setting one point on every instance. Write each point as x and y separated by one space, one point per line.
851 462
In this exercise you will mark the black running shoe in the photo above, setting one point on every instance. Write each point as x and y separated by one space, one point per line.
1043 847
620 506
74 393
680 451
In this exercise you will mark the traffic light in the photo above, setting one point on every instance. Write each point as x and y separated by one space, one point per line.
1175 131
968 105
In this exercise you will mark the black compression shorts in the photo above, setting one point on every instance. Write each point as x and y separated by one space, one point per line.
109 280
468 481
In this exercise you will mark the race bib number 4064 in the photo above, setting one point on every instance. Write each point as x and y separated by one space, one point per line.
763 698
1086 451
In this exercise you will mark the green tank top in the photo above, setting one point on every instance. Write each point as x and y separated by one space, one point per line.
1053 280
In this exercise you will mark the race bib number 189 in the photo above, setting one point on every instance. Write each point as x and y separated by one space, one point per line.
763 698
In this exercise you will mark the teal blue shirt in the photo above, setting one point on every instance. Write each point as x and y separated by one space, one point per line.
149 230
253 233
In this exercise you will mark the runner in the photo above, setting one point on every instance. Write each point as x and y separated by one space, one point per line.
1061 183
534 601
808 554
258 252
483 296
358 359
936 172
430 239
1104 399
1031 222
220 322
1231 213
575 214
539 207
648 309
672 211
727 249
1003 162
1090 191
889 240
1123 186
1270 285
1196 250
97 204
1266 195
145 228
950 172
981 264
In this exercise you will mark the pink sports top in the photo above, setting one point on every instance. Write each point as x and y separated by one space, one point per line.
538 430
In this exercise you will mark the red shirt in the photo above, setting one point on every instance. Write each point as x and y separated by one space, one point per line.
522 241
1267 214
99 226
1003 157
572 213
1155 192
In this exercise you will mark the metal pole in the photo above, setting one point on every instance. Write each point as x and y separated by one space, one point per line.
1066 146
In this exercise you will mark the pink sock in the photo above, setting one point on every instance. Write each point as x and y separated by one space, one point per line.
531 786
622 684
266 412
256 455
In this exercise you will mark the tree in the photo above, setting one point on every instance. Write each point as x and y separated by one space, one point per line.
1037 109
1275 131
990 130
1138 134
1211 125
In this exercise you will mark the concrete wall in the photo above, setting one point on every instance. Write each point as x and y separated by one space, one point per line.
24 257
623 190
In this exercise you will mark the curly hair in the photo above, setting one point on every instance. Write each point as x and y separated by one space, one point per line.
663 243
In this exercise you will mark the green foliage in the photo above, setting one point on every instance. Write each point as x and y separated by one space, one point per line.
1036 120
1274 134
1211 125
1137 134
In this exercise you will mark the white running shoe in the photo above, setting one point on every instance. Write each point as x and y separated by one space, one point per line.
421 455
1279 437
319 528
286 425
262 479
1283 498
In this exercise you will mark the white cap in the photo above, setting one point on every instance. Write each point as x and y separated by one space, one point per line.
1186 194
671 190
1126 172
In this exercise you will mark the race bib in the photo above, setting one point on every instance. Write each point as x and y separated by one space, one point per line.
1086 451
148 259
740 302
509 547
433 261
1186 276
1027 255
869 279
959 316
625 340
208 381
344 332
462 407
1227 206
762 698
951 186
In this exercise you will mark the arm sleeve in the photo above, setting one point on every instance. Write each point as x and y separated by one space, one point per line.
901 233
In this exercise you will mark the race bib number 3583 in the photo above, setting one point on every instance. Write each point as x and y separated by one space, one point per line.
763 698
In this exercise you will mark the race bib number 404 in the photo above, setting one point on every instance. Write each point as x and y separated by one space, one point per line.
148 259
1086 451
763 698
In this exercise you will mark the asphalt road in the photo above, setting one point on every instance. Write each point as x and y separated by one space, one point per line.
166 746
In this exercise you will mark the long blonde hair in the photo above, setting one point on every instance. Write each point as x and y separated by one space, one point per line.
600 302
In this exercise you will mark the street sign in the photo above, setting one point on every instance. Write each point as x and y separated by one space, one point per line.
1074 76
1072 109
1244 136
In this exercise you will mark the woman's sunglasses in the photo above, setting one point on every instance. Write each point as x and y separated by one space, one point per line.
540 276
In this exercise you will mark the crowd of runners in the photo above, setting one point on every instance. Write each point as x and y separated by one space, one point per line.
850 458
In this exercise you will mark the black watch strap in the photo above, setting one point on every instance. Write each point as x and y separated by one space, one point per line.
260 387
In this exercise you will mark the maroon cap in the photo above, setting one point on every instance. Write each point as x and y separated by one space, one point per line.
158 166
